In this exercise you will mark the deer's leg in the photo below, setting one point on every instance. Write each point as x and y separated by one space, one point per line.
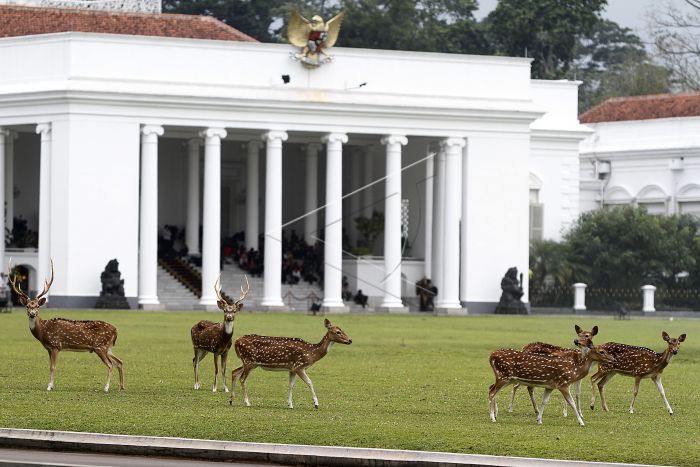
244 387
635 390
305 378
660 387
234 374
493 390
53 357
567 397
292 380
531 392
512 398
216 371
601 389
120 367
545 398
578 397
198 356
224 358
107 361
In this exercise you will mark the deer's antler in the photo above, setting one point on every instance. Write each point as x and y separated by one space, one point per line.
244 293
47 285
217 289
13 282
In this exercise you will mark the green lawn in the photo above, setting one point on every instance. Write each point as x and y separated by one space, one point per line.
406 382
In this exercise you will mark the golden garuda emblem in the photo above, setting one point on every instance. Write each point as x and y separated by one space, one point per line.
314 37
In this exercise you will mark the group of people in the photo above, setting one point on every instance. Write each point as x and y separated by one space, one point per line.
359 297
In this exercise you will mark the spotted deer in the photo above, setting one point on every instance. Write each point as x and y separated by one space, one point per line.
637 362
550 372
216 338
58 334
583 337
283 354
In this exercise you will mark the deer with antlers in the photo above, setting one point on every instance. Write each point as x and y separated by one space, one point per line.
637 362
543 348
58 334
216 337
550 372
283 354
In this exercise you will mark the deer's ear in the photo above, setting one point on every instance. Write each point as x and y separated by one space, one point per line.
665 336
220 304
594 331
327 323
681 338
42 300
238 308
577 328
23 300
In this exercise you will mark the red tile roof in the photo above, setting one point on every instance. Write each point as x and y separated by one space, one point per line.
644 108
25 21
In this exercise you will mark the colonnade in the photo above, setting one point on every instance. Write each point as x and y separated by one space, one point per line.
443 212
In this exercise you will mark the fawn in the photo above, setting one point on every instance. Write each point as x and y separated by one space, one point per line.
637 362
548 371
283 354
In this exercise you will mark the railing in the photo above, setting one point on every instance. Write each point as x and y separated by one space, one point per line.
309 300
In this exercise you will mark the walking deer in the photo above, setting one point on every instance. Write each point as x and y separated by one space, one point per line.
216 337
58 334
637 362
549 349
283 353
547 371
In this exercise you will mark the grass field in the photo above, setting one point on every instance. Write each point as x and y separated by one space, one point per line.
406 382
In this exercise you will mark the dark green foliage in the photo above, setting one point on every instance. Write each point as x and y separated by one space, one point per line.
546 30
612 61
627 248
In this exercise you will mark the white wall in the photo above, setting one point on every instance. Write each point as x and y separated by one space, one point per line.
94 203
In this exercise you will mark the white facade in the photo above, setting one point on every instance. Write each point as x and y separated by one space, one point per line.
651 163
106 98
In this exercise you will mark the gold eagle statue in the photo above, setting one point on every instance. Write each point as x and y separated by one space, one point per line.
314 36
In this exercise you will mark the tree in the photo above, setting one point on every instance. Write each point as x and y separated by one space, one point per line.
612 61
676 37
626 248
546 30
260 19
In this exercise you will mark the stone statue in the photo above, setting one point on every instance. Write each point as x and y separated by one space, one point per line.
112 294
510 302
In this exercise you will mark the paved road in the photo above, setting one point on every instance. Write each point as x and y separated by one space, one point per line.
25 457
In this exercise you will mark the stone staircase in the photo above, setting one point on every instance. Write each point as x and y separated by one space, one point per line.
172 294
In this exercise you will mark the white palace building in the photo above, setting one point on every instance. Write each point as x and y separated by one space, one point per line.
115 123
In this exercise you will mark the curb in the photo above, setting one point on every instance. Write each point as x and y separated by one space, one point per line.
287 454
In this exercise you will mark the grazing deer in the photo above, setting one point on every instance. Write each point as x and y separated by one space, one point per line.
637 362
283 353
548 371
549 349
58 334
216 337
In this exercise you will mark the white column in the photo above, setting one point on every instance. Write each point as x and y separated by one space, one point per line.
192 229
448 296
252 196
367 198
4 137
272 293
648 297
44 268
211 216
429 171
580 296
437 252
463 239
333 248
10 180
148 218
311 201
392 224
354 202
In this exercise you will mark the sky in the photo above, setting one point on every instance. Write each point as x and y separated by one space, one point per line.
627 13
